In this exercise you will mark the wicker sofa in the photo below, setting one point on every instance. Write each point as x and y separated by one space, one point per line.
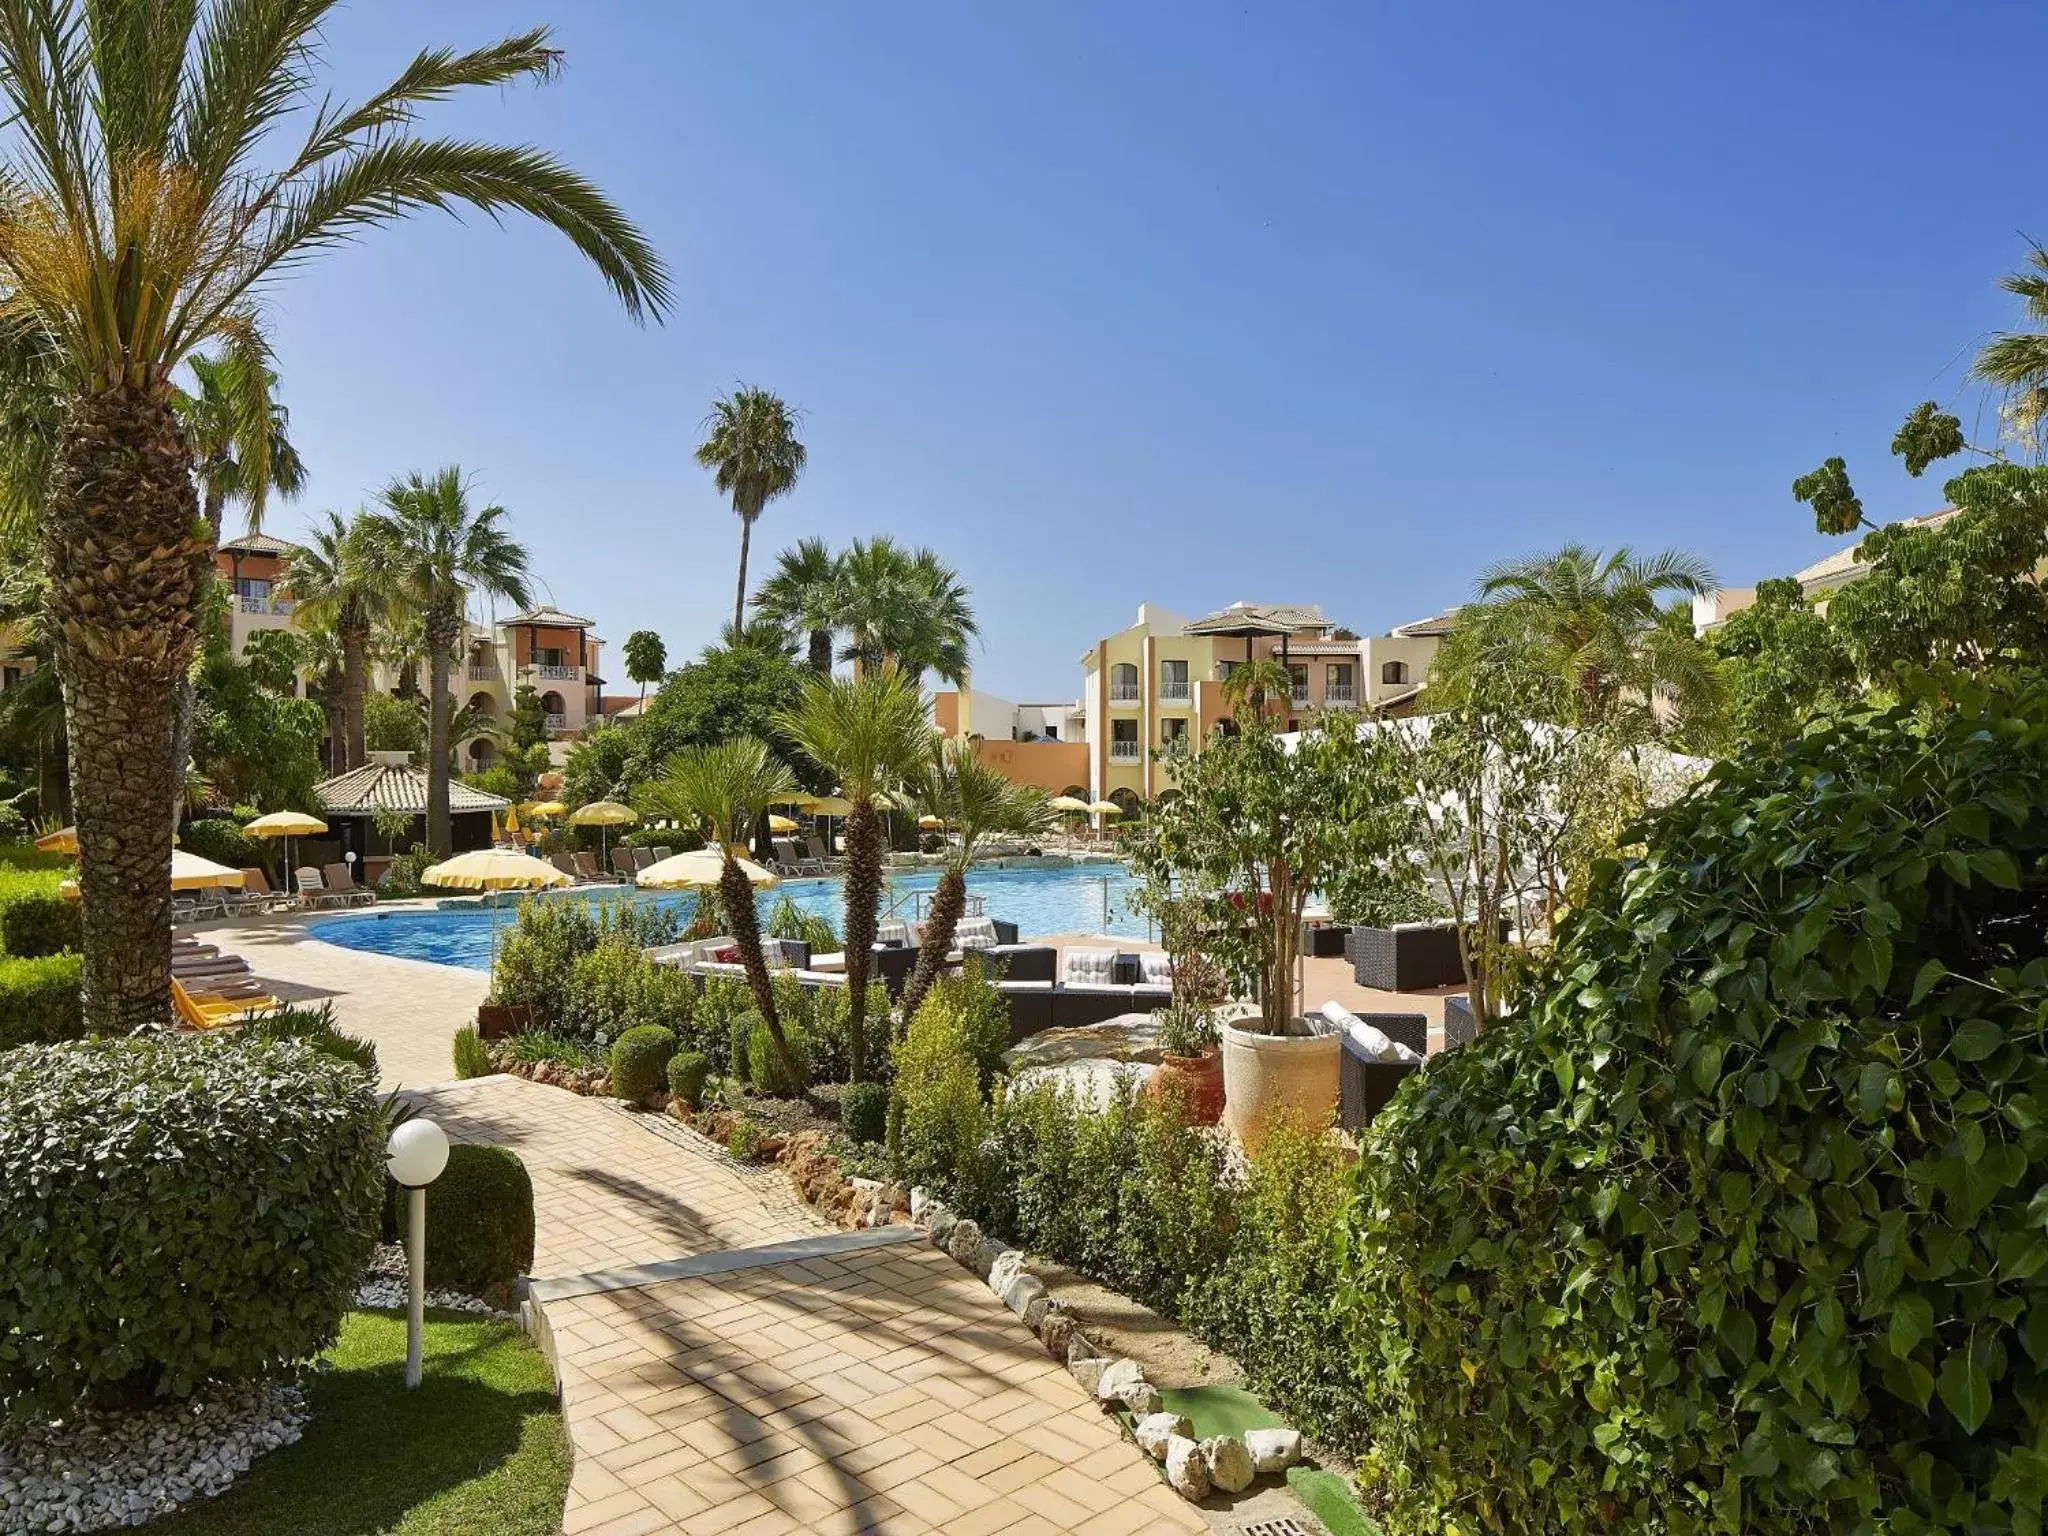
1364 1082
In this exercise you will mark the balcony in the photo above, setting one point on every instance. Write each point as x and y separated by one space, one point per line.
483 672
1126 752
556 722
550 672
1175 693
251 602
1298 696
1339 696
1123 693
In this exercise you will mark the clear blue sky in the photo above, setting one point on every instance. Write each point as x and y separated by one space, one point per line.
1188 302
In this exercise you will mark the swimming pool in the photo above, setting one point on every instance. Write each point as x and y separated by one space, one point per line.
1061 898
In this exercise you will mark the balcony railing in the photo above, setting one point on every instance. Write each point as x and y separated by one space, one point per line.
1126 751
1123 693
250 602
1175 693
483 671
1338 696
556 722
1298 695
550 672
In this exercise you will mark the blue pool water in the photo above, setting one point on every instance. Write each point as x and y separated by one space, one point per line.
1066 898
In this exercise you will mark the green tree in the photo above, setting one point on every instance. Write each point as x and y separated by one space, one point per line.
1785 663
869 734
905 608
336 582
252 741
435 550
750 443
529 719
806 596
975 801
393 724
151 198
723 790
646 659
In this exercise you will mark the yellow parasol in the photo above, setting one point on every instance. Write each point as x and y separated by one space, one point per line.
781 824
604 815
1105 808
63 840
828 805
1068 804
287 825
189 872
493 869
546 808
699 868
932 823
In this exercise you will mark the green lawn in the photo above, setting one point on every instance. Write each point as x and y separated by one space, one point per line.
479 1448
1232 1411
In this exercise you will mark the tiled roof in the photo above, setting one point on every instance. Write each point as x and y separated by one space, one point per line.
259 544
1323 648
1436 626
552 617
389 787
1260 618
1842 565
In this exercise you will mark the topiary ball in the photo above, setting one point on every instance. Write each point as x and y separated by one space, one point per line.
640 1060
687 1072
864 1111
479 1220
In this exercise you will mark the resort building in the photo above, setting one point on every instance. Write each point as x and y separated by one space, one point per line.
1396 664
249 568
1819 580
1039 744
554 652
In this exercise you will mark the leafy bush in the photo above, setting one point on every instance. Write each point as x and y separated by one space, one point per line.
223 841
479 1220
536 1045
825 1031
715 1018
39 1002
402 875
764 1064
472 1056
614 988
536 966
789 921
978 1015
687 1071
936 1116
864 1111
640 1061
1737 1227
34 919
745 1139
174 1209
316 1027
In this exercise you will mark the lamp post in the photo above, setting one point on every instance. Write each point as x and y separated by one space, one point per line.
415 1155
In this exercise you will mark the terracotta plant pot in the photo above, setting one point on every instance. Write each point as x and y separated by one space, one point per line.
1267 1076
1199 1081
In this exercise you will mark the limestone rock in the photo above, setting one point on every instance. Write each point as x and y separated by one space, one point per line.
1005 1266
1155 1429
1273 1450
941 1225
965 1245
1143 1400
920 1202
1117 1379
1087 1370
1229 1463
1036 1308
1078 1348
1056 1331
1187 1470
1020 1293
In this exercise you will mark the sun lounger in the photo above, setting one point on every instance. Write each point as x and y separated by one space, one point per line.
196 906
341 880
587 871
256 889
642 858
196 1013
562 862
663 852
313 890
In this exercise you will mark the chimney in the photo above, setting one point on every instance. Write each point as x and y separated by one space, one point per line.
390 759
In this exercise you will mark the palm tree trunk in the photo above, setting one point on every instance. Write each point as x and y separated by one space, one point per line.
739 600
821 651
127 557
864 853
737 896
949 901
441 638
355 683
214 511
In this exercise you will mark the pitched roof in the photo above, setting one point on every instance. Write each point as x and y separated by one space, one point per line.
1260 619
1843 565
551 616
1435 626
396 787
259 544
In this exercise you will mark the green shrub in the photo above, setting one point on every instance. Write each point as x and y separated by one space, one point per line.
401 876
536 1045
979 1017
739 1037
640 1061
29 856
39 1000
825 1032
34 919
764 1064
479 1220
687 1071
1738 1224
472 1056
614 988
864 1111
723 1000
936 1115
316 1027
174 1209
790 921
745 1139
223 841
537 961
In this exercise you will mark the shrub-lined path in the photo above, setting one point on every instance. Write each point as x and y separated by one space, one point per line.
731 1364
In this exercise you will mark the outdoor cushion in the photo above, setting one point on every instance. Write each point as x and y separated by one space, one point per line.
1155 967
1369 1038
892 933
975 933
730 955
1089 967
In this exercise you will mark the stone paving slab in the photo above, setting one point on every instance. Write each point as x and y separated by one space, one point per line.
795 1251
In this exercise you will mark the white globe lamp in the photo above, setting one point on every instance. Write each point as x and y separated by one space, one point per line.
415 1156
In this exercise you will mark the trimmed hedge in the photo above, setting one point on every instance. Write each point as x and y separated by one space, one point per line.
640 1060
1739 1224
472 1056
221 839
687 1073
39 1002
34 919
864 1111
174 1209
479 1220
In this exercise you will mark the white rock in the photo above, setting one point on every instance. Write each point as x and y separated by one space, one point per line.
1143 1400
1005 1265
1155 1429
920 1202
1020 1293
941 1225
1273 1450
1056 1331
1037 1307
1117 1379
1229 1463
1187 1470
1078 1347
1087 1370
965 1246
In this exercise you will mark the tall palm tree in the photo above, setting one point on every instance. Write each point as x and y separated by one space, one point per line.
148 198
327 668
1593 624
433 550
975 801
722 789
869 733
905 609
338 585
805 596
750 441
2017 361
239 434
400 643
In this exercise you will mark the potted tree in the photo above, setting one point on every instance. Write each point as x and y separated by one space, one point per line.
1191 1066
1260 823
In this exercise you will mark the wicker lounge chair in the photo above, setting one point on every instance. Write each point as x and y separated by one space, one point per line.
642 858
341 880
1460 1027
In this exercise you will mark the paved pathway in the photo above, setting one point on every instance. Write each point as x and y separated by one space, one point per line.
862 1388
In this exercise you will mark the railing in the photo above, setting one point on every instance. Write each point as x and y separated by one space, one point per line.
1175 693
550 672
556 722
249 602
1338 696
1299 695
919 905
1123 693
1126 751
482 671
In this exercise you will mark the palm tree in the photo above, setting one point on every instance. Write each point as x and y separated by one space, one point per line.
148 198
722 789
1593 625
338 585
750 440
400 644
869 733
905 609
327 668
2017 361
239 434
646 659
975 801
434 551
805 596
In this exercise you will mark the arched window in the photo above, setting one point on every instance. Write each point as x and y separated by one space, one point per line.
1127 799
480 705
480 752
1394 673
1123 683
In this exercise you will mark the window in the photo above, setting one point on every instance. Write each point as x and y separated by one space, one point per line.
1394 673
1298 681
547 656
1173 680
1173 728
1224 669
1338 675
1123 741
1123 683
1052 732
10 677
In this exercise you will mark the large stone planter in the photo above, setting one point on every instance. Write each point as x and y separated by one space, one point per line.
1269 1076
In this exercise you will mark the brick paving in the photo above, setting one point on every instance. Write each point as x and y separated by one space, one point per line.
876 1390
